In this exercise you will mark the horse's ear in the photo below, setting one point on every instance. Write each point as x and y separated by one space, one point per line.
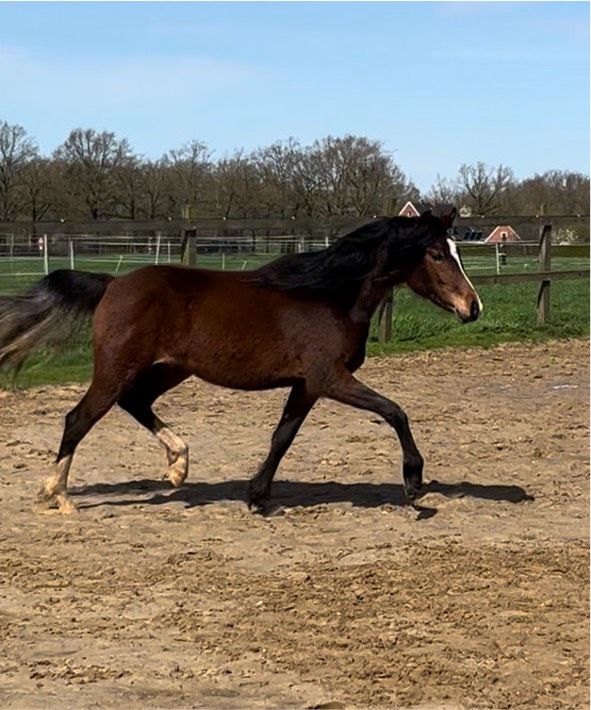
448 219
426 214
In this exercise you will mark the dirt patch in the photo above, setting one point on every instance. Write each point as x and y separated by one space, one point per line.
155 597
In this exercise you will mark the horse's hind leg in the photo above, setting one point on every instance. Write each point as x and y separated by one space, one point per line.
137 400
95 404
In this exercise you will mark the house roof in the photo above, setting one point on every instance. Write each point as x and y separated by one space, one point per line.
503 227
437 208
407 204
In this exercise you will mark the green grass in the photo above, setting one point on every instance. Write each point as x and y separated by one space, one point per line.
509 315
71 365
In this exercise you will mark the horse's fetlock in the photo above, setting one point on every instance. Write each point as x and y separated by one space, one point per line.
256 495
413 475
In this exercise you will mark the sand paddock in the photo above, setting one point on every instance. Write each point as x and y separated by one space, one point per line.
156 597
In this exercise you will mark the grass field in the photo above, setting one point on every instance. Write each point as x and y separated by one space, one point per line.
509 313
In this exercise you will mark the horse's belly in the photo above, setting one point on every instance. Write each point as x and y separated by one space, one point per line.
248 366
241 376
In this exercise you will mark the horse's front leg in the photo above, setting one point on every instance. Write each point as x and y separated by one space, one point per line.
349 390
298 404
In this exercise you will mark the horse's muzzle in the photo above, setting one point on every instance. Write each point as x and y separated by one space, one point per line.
473 314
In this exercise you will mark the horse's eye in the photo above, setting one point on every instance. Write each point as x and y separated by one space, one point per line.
437 256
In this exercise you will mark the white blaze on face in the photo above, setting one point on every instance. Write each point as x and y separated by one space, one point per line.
454 252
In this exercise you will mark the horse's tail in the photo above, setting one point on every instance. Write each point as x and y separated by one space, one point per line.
48 313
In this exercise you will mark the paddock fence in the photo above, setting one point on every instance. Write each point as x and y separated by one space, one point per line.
27 252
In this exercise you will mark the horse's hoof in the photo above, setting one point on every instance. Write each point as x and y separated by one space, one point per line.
178 471
66 505
413 491
266 509
412 477
45 505
257 501
255 505
47 498
56 503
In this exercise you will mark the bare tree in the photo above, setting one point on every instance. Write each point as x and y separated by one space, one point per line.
95 174
554 192
189 167
276 167
90 160
38 184
357 176
484 186
236 181
128 188
307 184
153 180
16 150
446 191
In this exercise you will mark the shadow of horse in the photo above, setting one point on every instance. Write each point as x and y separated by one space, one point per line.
292 494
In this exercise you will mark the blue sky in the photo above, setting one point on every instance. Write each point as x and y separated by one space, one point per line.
439 84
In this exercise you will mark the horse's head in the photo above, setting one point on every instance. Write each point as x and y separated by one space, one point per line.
440 276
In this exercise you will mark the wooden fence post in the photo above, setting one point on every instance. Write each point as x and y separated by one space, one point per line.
385 315
386 308
545 261
188 247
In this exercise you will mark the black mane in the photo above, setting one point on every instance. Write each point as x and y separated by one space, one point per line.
339 269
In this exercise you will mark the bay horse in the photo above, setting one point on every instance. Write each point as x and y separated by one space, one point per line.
301 321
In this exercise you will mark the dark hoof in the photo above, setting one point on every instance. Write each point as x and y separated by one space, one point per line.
413 492
265 507
257 501
269 510
412 475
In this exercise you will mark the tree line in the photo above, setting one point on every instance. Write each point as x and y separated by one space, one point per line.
95 175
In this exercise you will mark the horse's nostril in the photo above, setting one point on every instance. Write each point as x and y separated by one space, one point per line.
474 310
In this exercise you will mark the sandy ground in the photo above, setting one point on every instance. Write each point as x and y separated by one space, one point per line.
155 597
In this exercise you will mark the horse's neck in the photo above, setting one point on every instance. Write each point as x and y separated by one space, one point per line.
371 294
